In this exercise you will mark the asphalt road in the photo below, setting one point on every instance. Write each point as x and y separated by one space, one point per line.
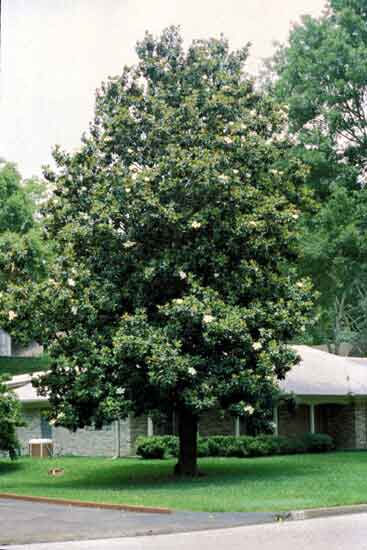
27 522
332 533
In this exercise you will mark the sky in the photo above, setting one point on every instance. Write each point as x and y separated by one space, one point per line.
54 54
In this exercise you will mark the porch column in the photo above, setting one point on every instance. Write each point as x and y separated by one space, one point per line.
275 420
237 426
150 428
360 424
312 418
117 438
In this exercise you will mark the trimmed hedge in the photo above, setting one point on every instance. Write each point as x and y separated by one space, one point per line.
241 447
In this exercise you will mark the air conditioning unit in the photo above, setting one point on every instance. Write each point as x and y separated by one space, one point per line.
41 448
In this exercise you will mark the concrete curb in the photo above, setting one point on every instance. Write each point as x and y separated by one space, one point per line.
297 515
87 504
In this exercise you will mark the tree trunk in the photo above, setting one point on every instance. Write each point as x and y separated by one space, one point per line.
187 431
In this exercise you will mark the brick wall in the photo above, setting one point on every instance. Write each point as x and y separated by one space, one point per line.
138 426
214 423
293 422
346 424
340 424
32 429
85 442
360 424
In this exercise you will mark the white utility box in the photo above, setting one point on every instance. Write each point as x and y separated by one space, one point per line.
41 448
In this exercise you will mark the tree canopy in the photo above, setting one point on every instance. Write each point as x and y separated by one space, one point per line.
10 420
173 287
320 74
23 254
322 77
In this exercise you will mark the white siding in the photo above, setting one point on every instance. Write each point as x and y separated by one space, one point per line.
5 344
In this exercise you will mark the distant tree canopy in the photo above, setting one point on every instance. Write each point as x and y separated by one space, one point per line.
23 254
10 420
321 75
173 287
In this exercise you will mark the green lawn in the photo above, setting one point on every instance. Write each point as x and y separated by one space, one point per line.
262 484
12 366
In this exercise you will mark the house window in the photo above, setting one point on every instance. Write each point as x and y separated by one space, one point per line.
46 428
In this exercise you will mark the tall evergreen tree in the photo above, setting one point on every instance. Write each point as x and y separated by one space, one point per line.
172 289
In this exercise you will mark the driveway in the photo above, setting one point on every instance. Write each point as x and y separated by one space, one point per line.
27 522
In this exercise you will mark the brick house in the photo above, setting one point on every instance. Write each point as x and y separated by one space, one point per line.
326 393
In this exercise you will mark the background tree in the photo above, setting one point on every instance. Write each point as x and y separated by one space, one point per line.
321 76
172 288
23 254
333 252
10 420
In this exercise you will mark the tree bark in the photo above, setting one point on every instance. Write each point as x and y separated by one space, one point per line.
188 432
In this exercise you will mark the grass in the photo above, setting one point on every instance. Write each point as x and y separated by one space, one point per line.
12 366
262 484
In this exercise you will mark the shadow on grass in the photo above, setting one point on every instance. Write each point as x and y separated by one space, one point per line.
10 466
148 476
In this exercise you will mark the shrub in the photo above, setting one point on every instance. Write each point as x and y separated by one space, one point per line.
263 446
291 445
171 444
150 447
203 447
240 447
318 443
236 447
217 444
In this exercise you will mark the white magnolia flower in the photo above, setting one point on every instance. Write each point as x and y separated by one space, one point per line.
179 301
192 371
135 168
252 223
223 177
182 275
208 318
12 315
195 225
71 282
129 244
227 140
56 418
300 284
295 216
257 346
249 409
235 171
74 310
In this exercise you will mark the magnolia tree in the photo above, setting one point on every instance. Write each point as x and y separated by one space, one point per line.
172 290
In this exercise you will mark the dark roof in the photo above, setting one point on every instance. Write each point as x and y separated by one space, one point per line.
13 366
